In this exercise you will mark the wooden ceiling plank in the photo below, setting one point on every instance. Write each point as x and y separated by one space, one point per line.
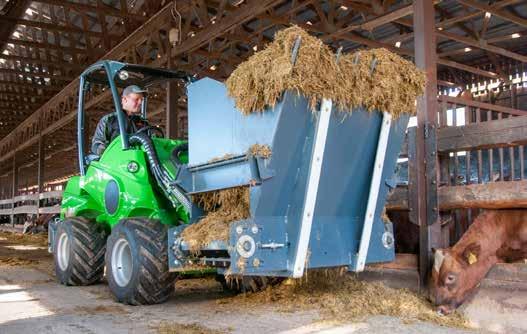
495 11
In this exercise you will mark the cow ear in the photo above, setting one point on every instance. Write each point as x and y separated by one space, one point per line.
439 257
471 253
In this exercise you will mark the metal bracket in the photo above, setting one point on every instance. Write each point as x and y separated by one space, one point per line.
374 190
315 169
272 245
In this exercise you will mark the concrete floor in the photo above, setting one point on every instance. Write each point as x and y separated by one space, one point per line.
32 302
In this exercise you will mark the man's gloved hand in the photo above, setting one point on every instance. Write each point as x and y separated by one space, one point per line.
100 149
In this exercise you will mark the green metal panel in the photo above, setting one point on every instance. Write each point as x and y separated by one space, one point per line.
137 193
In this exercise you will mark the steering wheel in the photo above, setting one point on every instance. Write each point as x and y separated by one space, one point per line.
151 130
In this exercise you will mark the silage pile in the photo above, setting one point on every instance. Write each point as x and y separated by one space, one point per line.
222 208
342 297
376 79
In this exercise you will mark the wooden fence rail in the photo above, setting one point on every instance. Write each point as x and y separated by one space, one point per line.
31 204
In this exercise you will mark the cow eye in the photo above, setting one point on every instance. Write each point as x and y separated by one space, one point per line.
451 278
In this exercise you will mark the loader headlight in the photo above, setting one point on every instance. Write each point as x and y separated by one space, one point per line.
133 167
123 75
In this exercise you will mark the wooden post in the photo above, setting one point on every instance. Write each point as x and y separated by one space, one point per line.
41 163
426 167
172 101
172 110
14 189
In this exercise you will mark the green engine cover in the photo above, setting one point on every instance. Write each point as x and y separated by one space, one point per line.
119 186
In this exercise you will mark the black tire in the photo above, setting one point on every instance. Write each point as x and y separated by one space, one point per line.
144 241
78 251
243 284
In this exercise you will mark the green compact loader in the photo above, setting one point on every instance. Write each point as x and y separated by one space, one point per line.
116 212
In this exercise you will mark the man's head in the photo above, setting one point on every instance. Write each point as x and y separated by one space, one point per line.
132 99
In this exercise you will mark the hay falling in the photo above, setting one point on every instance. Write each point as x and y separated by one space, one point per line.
258 150
342 297
391 85
222 207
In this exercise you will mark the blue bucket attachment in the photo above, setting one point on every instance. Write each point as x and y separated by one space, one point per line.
317 196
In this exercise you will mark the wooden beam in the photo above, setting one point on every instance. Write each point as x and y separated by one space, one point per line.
41 163
493 195
250 9
471 69
105 9
476 136
380 20
451 21
460 25
354 37
11 9
49 88
29 60
102 22
52 27
44 45
499 13
39 74
426 157
482 105
447 83
482 44
69 90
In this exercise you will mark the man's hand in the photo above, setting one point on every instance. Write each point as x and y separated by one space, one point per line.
100 149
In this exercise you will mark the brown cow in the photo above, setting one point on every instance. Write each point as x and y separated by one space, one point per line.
495 236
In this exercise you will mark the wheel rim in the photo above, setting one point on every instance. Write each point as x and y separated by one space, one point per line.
63 251
122 262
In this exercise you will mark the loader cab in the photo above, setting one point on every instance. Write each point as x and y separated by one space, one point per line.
108 77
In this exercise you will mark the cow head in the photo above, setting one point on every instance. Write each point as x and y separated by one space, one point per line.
454 276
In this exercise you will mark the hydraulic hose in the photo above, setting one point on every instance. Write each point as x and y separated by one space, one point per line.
168 185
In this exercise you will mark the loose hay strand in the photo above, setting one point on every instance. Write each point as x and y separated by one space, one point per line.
259 150
392 85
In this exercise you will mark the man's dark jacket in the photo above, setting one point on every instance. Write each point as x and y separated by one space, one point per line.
108 129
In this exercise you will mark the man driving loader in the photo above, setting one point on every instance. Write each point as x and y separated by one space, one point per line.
108 127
